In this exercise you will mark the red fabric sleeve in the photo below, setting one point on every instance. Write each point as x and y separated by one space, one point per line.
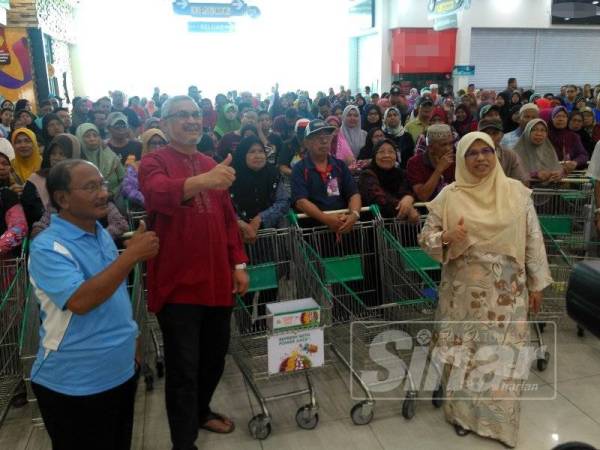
235 246
162 193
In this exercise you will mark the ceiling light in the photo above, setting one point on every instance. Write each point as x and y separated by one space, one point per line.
595 2
567 18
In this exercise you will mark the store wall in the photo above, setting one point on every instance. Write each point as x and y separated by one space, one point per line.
50 58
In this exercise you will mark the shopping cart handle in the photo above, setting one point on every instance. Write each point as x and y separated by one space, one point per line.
337 211
127 235
419 204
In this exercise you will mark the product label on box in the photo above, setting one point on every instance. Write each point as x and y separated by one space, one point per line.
293 351
303 319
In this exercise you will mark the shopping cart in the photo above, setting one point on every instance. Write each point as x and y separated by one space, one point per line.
29 344
12 301
273 277
566 215
347 267
152 328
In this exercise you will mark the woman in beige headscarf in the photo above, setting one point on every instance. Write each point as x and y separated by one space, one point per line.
484 230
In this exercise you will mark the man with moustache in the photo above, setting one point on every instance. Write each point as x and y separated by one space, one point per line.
200 264
85 374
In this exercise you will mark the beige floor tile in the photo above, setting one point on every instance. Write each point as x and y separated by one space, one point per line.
332 435
573 360
584 393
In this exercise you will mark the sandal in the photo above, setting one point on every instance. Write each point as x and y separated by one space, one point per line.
460 430
219 417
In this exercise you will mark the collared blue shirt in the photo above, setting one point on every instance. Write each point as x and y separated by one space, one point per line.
79 354
307 183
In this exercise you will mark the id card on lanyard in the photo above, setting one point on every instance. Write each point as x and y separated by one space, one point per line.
333 188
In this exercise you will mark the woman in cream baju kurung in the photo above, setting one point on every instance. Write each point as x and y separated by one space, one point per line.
484 230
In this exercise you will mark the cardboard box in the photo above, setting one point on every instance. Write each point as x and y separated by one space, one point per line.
293 314
295 350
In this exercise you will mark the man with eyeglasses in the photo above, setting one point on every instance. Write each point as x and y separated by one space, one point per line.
85 372
322 183
119 139
200 265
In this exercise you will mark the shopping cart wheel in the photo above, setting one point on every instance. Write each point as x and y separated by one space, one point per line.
307 417
149 381
542 363
160 369
260 427
580 331
362 413
409 406
437 397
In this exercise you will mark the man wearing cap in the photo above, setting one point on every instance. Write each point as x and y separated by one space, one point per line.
322 183
489 112
119 139
527 113
398 100
430 171
418 126
293 150
509 160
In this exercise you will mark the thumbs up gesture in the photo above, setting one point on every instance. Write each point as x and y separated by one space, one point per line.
222 175
456 235
143 245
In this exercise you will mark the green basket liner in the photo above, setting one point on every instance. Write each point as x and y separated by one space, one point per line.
262 277
576 195
415 258
557 225
343 269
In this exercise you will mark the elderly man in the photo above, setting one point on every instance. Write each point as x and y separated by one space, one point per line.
120 140
85 376
430 171
509 160
323 183
200 264
527 113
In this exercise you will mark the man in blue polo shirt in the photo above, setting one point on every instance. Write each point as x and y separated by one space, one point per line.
84 376
322 183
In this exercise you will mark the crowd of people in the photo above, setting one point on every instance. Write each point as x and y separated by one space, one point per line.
211 176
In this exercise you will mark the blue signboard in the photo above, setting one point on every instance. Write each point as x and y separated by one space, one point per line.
445 22
464 71
211 27
438 8
236 8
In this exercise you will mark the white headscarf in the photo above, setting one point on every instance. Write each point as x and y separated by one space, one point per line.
397 131
493 208
355 136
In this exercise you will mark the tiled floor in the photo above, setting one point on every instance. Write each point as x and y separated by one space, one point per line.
573 415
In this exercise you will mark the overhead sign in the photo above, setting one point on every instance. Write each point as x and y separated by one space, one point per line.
236 8
211 27
438 8
464 71
445 22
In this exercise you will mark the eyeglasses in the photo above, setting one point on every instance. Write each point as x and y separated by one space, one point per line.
486 151
185 115
93 188
121 125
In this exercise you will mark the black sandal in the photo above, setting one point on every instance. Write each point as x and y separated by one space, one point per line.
460 430
220 417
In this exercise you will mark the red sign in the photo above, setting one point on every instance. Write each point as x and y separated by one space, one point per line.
423 50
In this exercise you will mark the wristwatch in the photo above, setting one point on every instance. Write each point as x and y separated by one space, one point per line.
240 266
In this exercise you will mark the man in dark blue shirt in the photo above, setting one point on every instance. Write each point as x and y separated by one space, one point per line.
322 183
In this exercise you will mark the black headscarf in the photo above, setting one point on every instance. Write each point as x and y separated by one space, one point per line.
390 180
68 143
510 124
463 127
369 126
588 143
505 109
367 151
45 122
252 191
